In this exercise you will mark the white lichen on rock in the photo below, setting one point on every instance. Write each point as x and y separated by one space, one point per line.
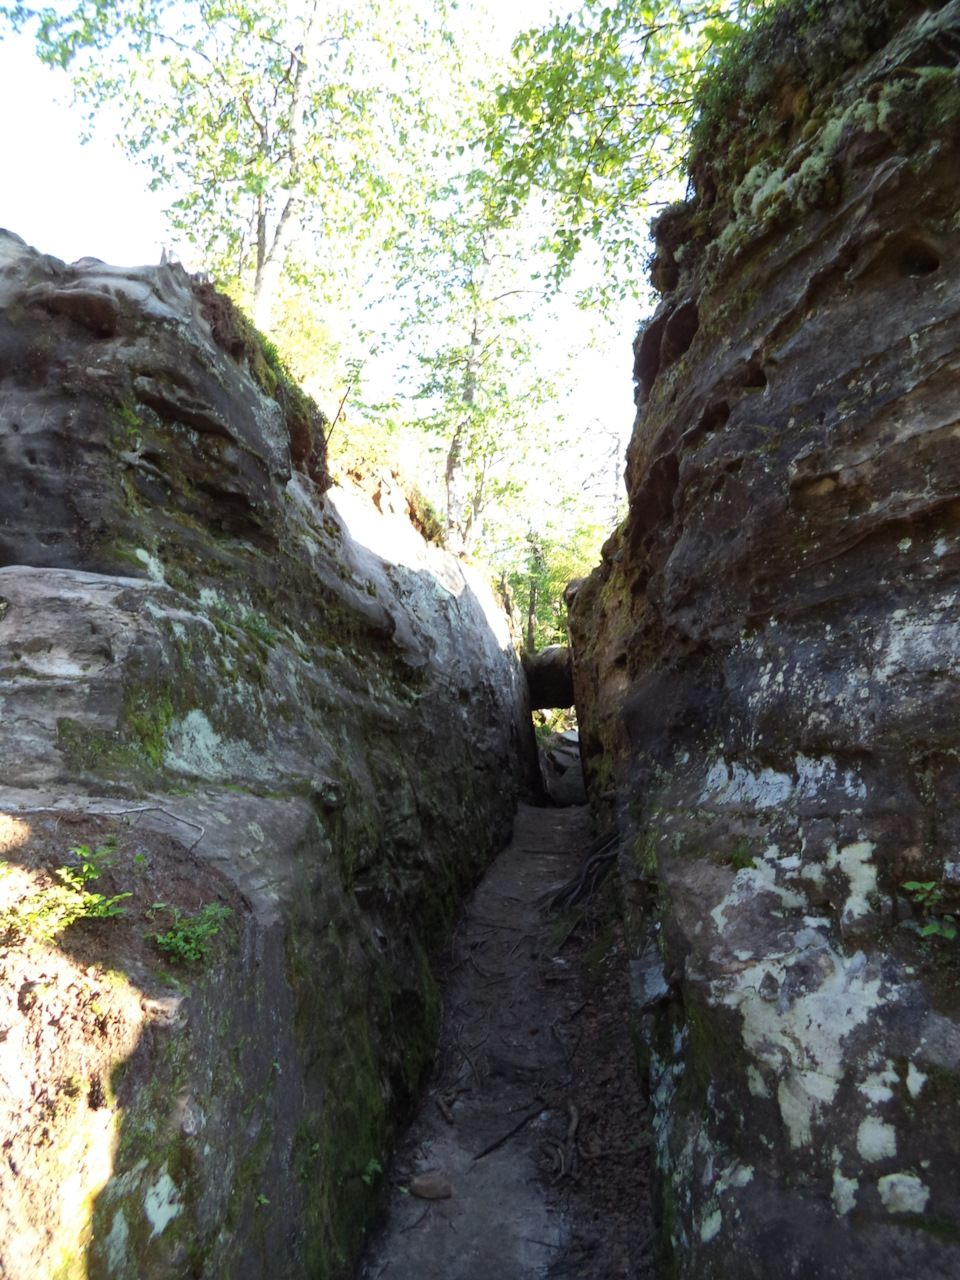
903 1193
876 1140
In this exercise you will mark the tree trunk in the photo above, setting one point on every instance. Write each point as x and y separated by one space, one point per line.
459 516
267 281
270 265
454 538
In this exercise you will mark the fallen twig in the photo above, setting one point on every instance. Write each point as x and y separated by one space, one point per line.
568 1156
563 1045
545 1243
624 1153
466 1055
152 808
418 1221
493 1146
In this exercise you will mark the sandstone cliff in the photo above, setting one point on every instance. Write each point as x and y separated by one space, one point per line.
247 694
766 664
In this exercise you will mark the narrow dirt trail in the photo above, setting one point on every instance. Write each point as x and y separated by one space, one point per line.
532 1135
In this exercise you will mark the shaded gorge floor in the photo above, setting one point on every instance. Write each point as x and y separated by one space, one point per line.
528 1158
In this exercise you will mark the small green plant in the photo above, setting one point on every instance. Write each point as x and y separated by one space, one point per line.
170 980
189 938
741 859
423 515
370 1172
928 894
45 913
261 1201
93 865
256 625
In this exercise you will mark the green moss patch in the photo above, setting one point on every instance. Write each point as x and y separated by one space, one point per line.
306 423
767 76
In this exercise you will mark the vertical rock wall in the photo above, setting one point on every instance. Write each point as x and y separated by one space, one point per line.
767 666
255 696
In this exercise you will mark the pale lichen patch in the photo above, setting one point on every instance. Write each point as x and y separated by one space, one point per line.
116 1243
801 1095
854 861
844 1193
710 1227
161 1204
737 1175
903 1193
915 1081
756 1083
877 1086
801 1038
748 883
152 565
196 749
876 1140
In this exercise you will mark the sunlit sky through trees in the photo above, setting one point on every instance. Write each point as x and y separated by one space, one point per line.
75 200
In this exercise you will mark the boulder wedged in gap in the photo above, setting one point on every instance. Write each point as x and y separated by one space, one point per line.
767 676
550 677
254 694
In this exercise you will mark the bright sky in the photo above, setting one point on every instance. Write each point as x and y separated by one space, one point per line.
74 200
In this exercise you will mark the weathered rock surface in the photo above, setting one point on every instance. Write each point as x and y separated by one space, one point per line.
768 685
278 700
550 676
562 769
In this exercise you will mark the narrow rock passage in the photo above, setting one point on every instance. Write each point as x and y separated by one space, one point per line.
532 1135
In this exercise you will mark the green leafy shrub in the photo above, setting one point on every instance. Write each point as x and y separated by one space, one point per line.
256 625
189 938
423 515
234 333
44 913
928 894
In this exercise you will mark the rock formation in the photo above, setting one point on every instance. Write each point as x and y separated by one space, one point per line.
550 677
561 768
247 694
766 664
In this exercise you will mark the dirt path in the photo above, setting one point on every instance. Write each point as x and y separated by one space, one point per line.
533 1127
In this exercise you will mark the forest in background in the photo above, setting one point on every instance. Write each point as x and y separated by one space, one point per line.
405 206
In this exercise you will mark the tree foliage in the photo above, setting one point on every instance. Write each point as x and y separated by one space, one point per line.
293 133
554 555
272 124
480 389
475 380
595 117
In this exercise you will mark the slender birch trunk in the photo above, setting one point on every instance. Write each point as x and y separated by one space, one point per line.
271 260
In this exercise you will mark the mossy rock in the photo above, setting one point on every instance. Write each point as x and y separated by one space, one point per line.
306 422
